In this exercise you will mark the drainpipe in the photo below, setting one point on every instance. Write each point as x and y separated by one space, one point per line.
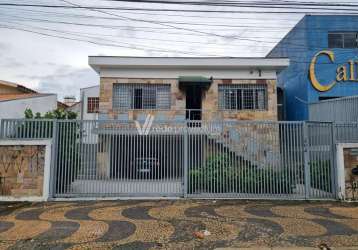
82 104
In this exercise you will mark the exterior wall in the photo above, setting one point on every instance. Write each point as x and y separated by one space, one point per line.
291 80
178 103
301 44
16 108
22 170
25 170
169 73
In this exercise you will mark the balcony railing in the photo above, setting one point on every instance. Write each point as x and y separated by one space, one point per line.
172 115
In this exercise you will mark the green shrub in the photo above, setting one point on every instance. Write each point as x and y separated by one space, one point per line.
220 175
321 176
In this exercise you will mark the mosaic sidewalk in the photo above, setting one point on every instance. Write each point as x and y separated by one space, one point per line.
170 224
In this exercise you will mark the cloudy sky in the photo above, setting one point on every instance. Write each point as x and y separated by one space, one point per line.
47 48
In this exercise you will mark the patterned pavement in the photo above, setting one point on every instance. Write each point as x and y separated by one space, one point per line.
170 224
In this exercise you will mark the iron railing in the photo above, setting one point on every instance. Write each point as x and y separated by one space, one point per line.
343 109
199 159
177 115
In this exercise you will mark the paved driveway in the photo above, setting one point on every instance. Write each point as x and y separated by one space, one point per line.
170 224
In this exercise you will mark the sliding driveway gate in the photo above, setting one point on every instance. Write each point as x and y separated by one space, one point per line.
216 159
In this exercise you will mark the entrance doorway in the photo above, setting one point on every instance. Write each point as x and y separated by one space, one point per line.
193 102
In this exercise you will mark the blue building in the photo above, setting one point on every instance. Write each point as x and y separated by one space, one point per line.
323 53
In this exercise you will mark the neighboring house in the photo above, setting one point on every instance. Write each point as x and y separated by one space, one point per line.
90 99
323 52
13 88
88 106
16 98
76 107
69 100
14 105
187 88
61 105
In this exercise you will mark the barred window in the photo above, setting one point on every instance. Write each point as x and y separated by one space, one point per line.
343 39
92 104
141 96
243 96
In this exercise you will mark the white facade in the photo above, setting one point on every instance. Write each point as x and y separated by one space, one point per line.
15 108
162 67
85 93
89 137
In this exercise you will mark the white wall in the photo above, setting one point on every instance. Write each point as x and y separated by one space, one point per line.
89 136
16 108
175 73
85 93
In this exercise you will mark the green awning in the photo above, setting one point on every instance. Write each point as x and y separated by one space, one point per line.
194 81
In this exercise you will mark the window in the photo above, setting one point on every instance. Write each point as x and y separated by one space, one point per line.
92 104
141 96
343 40
243 96
323 98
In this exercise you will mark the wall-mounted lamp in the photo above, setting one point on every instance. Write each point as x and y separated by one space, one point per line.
355 171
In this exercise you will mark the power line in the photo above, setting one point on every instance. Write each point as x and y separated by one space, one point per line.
171 26
302 6
151 14
100 36
146 21
334 11
181 23
295 47
153 29
139 48
133 47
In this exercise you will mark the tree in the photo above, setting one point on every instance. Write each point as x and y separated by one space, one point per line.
59 113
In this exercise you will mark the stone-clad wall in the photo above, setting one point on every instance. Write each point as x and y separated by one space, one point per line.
21 170
209 101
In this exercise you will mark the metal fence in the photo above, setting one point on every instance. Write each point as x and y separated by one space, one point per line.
343 109
199 159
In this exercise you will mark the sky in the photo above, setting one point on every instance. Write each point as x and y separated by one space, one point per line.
47 49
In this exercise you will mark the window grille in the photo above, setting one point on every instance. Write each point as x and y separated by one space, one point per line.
243 96
141 96
343 40
92 104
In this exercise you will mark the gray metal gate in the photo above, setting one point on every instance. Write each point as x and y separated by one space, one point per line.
109 158
213 159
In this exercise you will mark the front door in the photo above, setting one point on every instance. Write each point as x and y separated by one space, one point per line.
193 102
